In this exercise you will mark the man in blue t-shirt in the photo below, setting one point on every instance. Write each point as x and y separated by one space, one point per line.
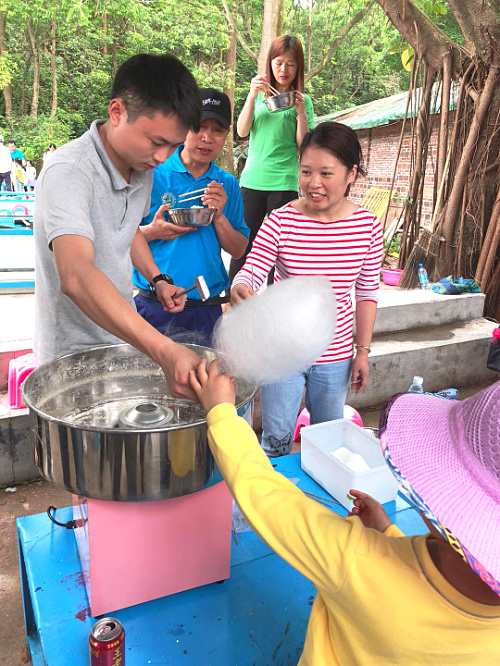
184 253
15 153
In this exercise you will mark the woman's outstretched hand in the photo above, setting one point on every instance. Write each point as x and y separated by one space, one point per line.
240 292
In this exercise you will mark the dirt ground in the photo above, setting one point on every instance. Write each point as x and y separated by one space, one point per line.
28 499
35 498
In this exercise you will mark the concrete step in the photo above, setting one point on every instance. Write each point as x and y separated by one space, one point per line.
451 355
17 461
418 308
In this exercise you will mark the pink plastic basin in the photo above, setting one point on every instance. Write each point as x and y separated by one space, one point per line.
391 276
304 419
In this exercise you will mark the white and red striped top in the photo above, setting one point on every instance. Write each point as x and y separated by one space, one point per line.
348 252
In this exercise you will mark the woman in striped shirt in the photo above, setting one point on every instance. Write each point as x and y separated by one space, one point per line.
322 233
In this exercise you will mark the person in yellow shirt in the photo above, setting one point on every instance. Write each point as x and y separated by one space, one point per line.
18 175
384 598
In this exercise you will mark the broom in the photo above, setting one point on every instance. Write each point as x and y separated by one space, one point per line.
426 248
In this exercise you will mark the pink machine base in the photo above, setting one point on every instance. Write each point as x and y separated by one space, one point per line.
133 552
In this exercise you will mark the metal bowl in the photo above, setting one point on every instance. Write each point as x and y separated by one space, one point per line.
103 426
284 100
192 217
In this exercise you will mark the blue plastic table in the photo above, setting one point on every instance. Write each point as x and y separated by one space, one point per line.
258 616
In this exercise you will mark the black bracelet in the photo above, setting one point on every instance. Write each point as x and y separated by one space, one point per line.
158 278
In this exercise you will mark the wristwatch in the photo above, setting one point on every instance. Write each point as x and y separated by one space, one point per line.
158 278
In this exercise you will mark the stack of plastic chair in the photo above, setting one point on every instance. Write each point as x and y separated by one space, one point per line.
19 369
6 219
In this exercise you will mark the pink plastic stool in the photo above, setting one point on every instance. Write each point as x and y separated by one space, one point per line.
19 369
304 419
353 415
19 209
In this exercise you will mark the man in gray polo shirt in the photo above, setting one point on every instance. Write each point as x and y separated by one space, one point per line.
90 200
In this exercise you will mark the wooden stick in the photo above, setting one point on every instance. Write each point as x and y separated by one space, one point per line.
192 192
273 90
323 499
235 533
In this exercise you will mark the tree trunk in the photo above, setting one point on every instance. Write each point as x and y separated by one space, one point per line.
7 90
226 160
444 123
422 132
272 24
490 245
427 40
53 68
105 32
469 219
337 41
114 57
480 25
36 69
462 172
232 20
309 35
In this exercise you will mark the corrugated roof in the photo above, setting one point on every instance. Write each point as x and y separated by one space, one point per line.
386 110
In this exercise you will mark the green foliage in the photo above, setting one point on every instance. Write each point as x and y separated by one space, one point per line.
393 247
34 137
79 12
361 69
96 36
438 13
5 70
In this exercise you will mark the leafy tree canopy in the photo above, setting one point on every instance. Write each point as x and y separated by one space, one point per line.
80 43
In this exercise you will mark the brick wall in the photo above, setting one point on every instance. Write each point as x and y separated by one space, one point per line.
380 146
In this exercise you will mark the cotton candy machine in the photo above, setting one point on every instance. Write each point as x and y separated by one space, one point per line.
105 428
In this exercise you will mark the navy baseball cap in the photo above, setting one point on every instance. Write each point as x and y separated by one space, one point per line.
215 104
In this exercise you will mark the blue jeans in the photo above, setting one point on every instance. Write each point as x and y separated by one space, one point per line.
326 389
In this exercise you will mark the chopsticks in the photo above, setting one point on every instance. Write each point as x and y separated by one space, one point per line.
190 199
186 194
181 199
322 500
273 90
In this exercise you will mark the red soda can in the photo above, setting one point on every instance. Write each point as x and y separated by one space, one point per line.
107 643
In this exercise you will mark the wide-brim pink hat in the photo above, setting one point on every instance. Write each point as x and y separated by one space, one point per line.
446 456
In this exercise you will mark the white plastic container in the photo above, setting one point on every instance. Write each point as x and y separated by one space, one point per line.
318 441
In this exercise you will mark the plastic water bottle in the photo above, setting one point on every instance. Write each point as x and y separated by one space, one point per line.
416 385
423 278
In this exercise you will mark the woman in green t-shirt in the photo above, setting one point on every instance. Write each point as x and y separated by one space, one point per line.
270 178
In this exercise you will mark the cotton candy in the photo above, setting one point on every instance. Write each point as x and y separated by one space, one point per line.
352 460
278 333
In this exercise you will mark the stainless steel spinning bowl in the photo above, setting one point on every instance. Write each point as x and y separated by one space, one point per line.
104 426
191 217
280 102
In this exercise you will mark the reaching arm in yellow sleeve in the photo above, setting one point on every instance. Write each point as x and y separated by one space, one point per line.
315 541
